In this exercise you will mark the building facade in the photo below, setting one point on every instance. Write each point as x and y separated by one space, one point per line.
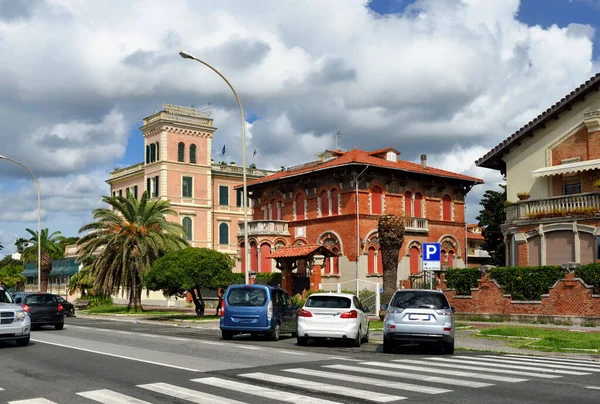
476 255
552 168
336 201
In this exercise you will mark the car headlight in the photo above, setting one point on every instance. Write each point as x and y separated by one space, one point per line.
20 316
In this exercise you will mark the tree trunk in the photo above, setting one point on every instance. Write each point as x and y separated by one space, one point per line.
390 273
46 267
198 301
391 238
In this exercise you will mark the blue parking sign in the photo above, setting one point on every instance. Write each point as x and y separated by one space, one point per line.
431 257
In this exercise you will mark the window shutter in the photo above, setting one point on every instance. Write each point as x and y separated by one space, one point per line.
135 191
193 154
223 195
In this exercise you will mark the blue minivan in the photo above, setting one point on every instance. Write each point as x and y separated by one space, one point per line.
257 309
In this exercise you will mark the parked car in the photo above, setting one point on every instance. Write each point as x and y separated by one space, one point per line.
43 309
15 324
418 316
257 309
68 307
333 315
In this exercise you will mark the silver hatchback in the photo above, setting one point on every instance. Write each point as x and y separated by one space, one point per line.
418 316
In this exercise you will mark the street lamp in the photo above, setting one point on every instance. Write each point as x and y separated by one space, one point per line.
39 254
186 55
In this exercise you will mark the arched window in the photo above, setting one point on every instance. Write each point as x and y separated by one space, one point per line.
334 202
265 263
157 151
193 153
371 260
147 154
324 203
223 234
181 152
418 207
300 213
408 204
414 260
152 152
379 261
446 208
451 259
253 257
187 227
274 215
376 200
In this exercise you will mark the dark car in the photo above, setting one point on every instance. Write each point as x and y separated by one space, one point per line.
68 308
43 309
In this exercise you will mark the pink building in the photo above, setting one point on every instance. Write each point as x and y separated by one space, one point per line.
178 167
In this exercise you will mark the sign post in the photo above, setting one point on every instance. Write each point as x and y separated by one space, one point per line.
431 259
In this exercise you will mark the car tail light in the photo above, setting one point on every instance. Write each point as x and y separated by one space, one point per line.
222 314
445 312
60 308
391 327
25 308
305 313
270 310
448 329
349 314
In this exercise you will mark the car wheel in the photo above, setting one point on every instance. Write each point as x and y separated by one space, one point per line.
366 338
71 312
59 326
227 335
23 342
302 341
387 346
275 334
358 339
449 348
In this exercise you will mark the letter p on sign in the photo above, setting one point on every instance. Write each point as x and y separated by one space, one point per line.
432 251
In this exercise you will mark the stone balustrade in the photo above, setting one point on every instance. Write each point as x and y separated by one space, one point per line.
265 228
417 224
579 204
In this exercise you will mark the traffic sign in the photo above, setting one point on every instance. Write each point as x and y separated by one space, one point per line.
431 257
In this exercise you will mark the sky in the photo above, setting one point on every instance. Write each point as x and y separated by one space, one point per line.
449 78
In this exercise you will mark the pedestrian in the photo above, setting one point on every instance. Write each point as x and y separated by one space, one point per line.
220 293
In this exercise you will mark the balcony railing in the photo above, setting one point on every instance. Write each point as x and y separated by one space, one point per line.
417 224
265 228
479 253
557 206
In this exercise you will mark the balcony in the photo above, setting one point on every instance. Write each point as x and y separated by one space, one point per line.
265 228
417 224
566 206
478 254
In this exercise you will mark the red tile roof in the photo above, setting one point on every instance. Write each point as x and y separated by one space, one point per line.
301 251
474 236
493 158
362 157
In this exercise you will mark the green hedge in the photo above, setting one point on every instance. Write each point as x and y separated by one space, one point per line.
268 278
526 283
463 279
590 274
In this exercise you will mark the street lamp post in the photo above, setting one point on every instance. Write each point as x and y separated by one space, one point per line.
186 55
39 232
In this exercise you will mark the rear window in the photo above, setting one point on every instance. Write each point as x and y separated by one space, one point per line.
247 297
33 300
425 300
328 302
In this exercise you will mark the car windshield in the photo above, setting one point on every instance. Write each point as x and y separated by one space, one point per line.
424 300
247 297
5 297
328 302
39 300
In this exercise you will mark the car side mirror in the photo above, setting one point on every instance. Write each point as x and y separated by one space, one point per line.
384 307
453 309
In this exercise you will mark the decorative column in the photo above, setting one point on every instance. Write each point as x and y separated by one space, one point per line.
315 277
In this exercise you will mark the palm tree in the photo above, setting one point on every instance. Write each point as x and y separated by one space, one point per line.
131 235
50 248
21 244
391 237
1 246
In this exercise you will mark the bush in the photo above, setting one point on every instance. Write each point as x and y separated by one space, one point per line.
268 278
526 283
590 274
237 278
463 279
99 300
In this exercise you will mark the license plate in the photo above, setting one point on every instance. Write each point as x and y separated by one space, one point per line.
418 317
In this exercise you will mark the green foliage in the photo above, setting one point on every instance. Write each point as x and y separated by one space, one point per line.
590 274
237 278
82 281
491 217
10 275
9 261
526 283
463 279
50 247
268 278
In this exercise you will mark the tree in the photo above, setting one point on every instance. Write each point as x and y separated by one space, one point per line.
190 271
491 217
1 247
391 237
21 244
50 249
130 236
11 275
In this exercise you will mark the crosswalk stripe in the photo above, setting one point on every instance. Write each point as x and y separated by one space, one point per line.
477 368
368 380
110 397
555 359
323 387
33 401
265 392
482 361
538 362
194 396
445 380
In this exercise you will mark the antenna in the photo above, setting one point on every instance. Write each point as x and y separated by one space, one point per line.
337 136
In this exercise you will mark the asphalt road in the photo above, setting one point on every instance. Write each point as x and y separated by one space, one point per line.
125 362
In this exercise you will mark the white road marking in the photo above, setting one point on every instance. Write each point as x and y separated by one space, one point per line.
290 352
262 391
370 381
117 356
323 387
558 360
125 332
348 359
537 362
110 397
480 361
178 339
33 401
397 372
467 367
592 387
194 396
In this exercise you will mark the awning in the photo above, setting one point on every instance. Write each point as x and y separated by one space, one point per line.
71 269
64 267
567 168
30 271
57 267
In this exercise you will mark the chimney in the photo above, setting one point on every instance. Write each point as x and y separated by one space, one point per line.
424 161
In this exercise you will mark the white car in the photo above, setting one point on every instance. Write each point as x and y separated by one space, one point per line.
333 315
15 323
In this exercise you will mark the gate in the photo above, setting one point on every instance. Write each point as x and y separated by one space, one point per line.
300 281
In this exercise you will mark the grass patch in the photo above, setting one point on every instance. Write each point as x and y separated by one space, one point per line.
546 340
376 325
114 309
